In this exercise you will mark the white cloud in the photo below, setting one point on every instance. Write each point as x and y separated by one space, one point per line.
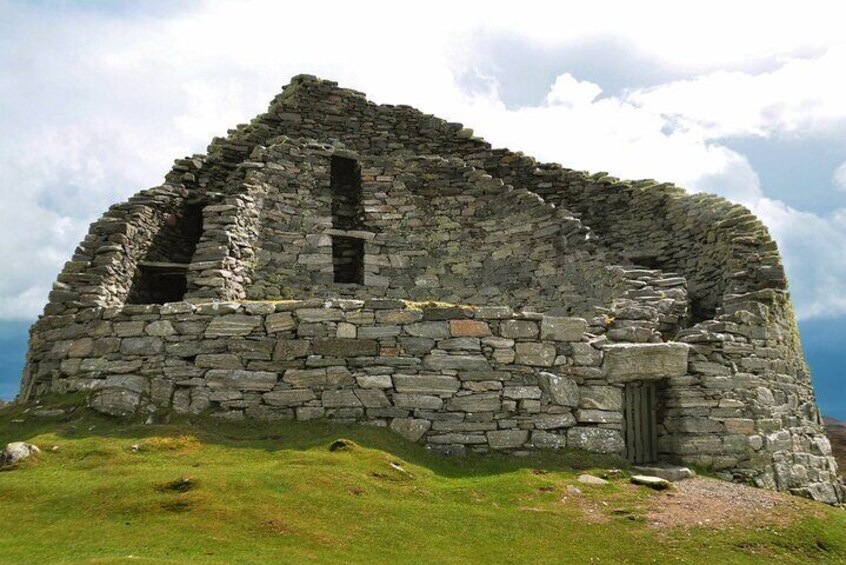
570 92
97 106
839 177
801 94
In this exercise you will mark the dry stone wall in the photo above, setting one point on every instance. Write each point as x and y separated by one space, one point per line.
686 291
457 377
432 228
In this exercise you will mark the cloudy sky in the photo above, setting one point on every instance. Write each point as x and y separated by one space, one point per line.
747 100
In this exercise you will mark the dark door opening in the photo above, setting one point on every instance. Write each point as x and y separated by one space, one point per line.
348 259
161 274
639 417
347 215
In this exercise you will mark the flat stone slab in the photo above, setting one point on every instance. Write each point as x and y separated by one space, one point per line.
644 361
670 473
656 483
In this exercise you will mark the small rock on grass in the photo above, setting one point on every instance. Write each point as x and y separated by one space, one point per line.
656 483
591 480
16 452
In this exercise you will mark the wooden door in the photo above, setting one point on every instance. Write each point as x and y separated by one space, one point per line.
639 422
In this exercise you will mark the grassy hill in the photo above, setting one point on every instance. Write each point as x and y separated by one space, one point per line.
208 491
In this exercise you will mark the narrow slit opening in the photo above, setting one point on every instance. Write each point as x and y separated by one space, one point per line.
345 182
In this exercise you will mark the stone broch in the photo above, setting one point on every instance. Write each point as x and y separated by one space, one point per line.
344 260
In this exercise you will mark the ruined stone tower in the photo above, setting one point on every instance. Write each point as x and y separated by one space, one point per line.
339 259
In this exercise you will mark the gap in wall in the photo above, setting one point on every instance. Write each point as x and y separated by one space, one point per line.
161 275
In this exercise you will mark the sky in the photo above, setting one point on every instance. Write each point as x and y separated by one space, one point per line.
746 100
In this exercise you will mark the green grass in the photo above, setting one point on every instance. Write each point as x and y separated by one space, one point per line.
207 491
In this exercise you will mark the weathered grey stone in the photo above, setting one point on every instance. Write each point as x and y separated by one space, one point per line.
288 397
553 421
81 347
372 398
160 328
434 330
670 473
417 345
320 314
484 375
518 392
563 329
586 354
426 384
378 332
411 429
141 346
134 383
456 362
335 347
281 322
446 312
374 381
599 417
561 389
339 399
482 402
598 440
118 402
305 377
398 317
548 440
600 397
656 483
643 361
591 480
421 401
463 426
232 325
518 329
460 344
535 354
507 439
241 380
291 349
347 331
218 361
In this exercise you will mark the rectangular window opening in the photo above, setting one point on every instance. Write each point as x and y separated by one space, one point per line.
345 182
348 259
161 274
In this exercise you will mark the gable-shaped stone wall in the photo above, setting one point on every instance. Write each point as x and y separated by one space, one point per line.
449 218
432 229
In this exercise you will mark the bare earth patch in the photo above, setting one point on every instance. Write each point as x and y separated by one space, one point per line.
710 502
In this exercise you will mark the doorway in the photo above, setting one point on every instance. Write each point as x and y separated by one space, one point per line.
640 409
